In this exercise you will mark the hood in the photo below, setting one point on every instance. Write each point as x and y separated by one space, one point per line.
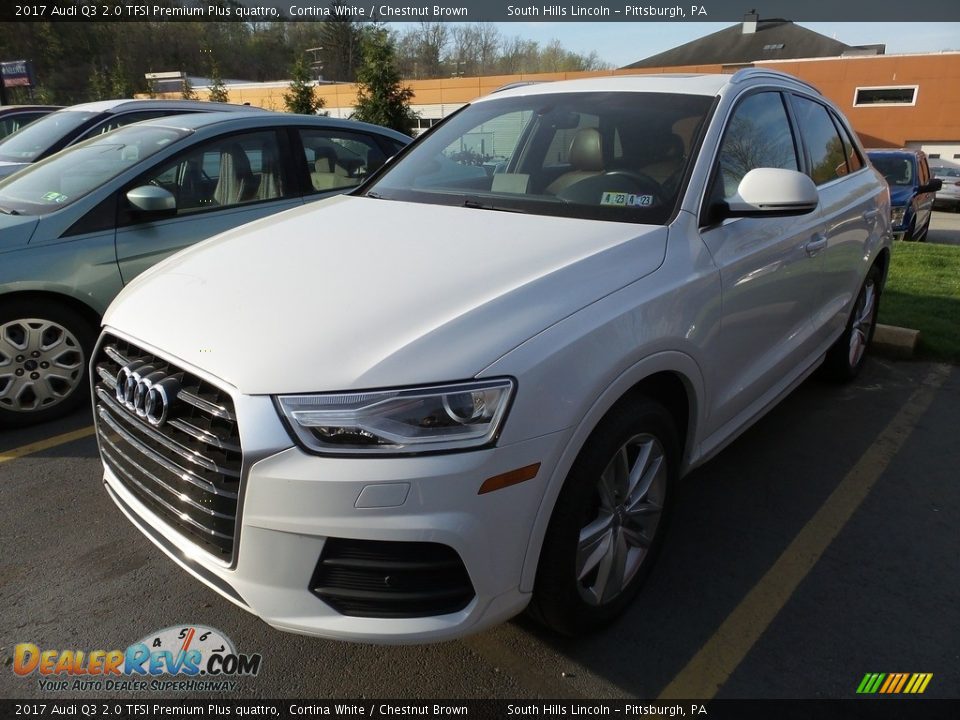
9 168
16 230
356 293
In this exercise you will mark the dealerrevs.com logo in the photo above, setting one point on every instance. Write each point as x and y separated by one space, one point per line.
181 658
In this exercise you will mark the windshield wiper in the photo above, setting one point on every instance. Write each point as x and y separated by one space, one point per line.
9 211
477 205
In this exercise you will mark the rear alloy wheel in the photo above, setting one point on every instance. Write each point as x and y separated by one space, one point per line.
44 349
609 519
846 357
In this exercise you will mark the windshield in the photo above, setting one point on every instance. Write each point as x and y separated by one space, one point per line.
36 138
897 169
67 176
618 156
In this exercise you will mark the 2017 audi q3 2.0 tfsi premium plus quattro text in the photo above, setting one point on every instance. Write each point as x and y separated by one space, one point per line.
468 387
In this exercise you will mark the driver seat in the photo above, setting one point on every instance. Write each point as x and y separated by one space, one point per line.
586 157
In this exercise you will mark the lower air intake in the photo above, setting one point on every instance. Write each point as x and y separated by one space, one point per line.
372 578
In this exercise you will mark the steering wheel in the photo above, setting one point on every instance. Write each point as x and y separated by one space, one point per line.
646 185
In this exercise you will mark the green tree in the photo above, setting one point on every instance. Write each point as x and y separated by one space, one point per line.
186 91
119 85
302 97
218 91
381 99
98 84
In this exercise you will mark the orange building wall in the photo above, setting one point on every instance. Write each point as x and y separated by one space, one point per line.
935 117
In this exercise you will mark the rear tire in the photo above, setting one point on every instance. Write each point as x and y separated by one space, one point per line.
45 349
609 521
846 358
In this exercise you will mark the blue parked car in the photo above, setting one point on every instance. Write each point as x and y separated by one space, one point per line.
912 191
78 226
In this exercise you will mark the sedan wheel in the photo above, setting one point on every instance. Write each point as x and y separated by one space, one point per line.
44 349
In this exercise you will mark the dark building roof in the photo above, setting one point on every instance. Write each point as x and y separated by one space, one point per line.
770 40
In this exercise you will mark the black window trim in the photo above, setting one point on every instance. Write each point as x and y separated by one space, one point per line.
704 219
305 187
830 115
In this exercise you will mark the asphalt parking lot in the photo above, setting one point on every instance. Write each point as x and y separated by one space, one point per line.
820 546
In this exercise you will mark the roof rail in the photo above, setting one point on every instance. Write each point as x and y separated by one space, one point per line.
519 83
754 73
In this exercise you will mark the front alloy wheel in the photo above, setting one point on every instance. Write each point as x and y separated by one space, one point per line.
609 520
629 502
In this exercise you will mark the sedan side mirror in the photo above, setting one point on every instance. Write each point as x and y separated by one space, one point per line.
152 199
934 185
773 192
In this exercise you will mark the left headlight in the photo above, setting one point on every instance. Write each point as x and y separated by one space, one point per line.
411 420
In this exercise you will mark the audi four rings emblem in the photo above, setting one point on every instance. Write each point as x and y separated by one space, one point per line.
146 391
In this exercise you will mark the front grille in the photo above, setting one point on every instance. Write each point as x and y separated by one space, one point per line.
186 469
372 578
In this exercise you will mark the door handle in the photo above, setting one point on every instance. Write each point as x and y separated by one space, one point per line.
817 243
869 215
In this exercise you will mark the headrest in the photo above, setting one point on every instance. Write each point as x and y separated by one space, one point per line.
585 150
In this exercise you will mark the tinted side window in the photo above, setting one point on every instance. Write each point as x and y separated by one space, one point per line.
122 119
854 161
758 135
10 125
223 172
924 170
827 156
339 159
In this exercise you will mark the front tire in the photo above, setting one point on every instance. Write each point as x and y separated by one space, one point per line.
609 521
44 351
846 358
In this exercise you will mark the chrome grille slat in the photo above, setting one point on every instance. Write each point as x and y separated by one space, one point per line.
115 355
173 468
206 405
181 516
156 436
182 497
185 467
203 436
109 380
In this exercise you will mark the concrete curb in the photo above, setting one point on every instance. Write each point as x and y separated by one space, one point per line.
895 342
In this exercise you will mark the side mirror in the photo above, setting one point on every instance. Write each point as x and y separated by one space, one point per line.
773 192
934 185
152 199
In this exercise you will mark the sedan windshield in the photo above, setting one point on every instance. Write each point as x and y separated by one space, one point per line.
69 175
36 138
620 156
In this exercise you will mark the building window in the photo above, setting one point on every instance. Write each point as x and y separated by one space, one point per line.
889 95
773 46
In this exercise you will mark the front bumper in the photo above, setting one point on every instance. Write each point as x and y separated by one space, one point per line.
292 502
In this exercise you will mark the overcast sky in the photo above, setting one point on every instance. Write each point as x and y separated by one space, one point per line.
623 43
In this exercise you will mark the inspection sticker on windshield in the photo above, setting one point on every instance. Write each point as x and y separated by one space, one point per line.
626 199
54 196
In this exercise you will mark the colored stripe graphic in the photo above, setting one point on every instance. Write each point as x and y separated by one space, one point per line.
894 683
